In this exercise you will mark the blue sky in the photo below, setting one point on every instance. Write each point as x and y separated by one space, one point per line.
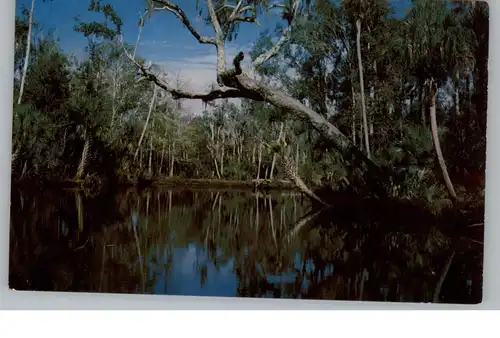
164 40
163 36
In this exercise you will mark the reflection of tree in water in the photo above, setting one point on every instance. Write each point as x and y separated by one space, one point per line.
366 250
56 240
363 250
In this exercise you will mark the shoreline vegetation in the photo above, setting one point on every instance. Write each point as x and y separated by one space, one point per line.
395 117
459 217
373 115
166 182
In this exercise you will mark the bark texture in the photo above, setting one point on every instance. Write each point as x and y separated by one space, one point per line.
437 144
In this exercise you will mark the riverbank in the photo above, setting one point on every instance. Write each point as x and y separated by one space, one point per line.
168 182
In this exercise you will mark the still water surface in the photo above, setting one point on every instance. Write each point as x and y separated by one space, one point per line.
228 243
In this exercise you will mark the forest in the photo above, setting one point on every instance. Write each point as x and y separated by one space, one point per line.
359 125
348 96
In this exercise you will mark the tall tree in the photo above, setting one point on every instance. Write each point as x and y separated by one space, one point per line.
232 83
27 54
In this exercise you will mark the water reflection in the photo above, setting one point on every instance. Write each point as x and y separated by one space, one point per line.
236 243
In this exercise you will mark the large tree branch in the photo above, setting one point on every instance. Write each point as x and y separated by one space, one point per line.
217 93
219 42
263 58
179 13
236 85
250 88
214 20
238 15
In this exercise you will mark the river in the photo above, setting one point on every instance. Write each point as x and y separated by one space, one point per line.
229 243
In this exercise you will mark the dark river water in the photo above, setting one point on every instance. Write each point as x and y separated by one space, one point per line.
232 243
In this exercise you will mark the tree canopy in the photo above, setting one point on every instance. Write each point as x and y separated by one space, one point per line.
328 69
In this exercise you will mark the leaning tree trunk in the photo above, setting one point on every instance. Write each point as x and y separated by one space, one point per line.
242 86
147 121
437 145
85 156
27 55
362 88
235 85
150 164
293 175
371 174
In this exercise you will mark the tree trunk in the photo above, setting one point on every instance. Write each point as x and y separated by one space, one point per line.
27 55
457 98
362 88
217 168
141 24
292 175
273 164
161 159
25 167
79 211
259 160
353 116
150 164
222 153
113 102
356 159
297 158
85 156
147 121
213 148
437 145
373 98
360 136
172 160
422 106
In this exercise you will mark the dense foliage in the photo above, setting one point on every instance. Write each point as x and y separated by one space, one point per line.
91 116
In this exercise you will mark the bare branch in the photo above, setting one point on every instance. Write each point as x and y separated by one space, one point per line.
214 20
236 10
219 42
225 6
238 15
276 6
179 13
247 8
217 93
263 58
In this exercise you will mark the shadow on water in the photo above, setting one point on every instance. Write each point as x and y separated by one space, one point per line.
237 243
